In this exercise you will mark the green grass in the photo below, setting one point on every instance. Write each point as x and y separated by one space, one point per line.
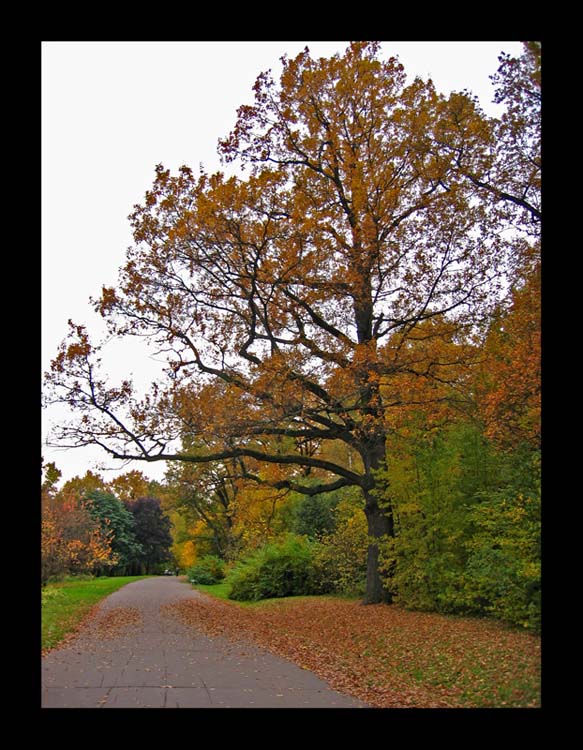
65 604
220 590
223 589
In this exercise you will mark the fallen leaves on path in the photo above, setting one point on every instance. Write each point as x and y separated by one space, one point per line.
384 655
115 622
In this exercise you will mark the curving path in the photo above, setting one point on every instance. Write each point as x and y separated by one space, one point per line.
132 655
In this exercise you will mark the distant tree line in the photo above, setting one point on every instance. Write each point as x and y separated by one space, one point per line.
86 528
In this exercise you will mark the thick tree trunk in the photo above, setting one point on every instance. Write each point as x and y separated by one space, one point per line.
379 519
380 524
373 448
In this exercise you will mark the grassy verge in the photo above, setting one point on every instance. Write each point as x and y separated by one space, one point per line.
219 590
223 589
64 605
387 656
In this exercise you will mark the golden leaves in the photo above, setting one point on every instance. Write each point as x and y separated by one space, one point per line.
509 386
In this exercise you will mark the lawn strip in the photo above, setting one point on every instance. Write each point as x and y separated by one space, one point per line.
68 605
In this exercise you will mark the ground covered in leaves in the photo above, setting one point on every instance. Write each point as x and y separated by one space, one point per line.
384 655
118 621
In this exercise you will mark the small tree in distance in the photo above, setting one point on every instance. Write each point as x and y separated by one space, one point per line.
152 530
115 518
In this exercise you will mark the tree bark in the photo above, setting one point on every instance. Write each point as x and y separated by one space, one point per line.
380 524
379 519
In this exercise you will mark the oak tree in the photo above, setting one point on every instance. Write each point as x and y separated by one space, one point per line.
285 301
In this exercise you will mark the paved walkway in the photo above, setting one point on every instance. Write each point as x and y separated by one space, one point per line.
132 655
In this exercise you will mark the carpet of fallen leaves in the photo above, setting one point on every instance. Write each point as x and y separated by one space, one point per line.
118 621
384 655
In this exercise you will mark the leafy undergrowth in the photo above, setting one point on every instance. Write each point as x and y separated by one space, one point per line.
66 606
384 655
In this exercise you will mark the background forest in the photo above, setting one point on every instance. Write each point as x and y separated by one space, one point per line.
355 327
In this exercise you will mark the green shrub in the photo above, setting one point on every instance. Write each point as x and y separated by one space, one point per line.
282 568
48 595
467 528
340 558
501 585
314 516
207 571
503 571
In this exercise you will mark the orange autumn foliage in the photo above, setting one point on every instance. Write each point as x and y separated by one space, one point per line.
130 486
509 390
72 541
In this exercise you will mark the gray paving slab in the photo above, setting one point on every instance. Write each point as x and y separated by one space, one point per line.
62 697
182 697
283 698
158 662
136 697
143 671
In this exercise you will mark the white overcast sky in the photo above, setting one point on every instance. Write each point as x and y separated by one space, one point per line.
111 111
